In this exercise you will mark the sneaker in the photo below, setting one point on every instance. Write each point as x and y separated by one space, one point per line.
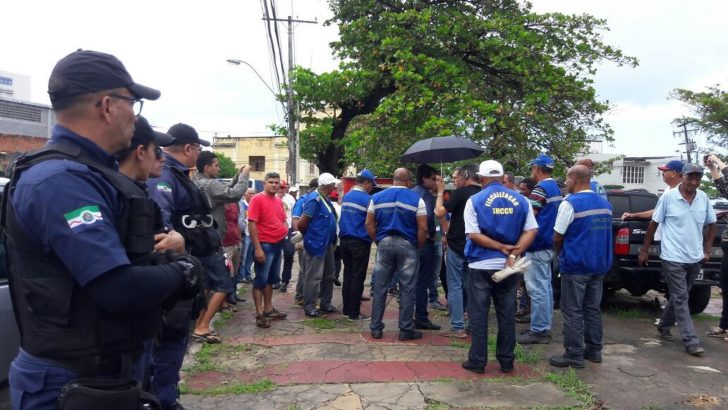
337 282
413 335
523 319
594 358
359 317
695 350
277 285
283 288
437 305
473 368
426 325
460 334
275 315
665 334
298 302
530 338
262 321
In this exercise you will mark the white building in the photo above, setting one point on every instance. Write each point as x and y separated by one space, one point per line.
14 86
633 172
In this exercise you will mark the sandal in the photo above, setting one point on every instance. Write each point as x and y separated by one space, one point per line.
208 338
717 332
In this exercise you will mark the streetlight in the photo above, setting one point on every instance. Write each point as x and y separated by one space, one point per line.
292 143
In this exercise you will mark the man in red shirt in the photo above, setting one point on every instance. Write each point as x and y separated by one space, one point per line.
268 228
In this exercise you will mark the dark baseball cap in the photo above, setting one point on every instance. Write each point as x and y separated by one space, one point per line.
86 71
144 134
185 134
692 169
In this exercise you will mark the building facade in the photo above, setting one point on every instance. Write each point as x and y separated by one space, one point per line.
263 154
15 86
633 172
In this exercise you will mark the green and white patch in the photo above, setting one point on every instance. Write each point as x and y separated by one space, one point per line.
164 187
87 215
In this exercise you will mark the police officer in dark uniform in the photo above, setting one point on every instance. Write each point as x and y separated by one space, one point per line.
67 225
187 210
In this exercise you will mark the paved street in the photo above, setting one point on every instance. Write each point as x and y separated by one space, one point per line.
331 363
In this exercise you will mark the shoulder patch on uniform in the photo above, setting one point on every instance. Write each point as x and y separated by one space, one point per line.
87 215
164 187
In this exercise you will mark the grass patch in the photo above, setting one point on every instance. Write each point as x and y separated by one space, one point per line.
572 386
444 380
222 318
205 357
460 345
436 405
261 386
528 356
320 323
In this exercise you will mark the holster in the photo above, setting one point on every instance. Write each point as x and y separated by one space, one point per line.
107 394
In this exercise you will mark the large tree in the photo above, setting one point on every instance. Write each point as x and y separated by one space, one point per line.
493 71
710 109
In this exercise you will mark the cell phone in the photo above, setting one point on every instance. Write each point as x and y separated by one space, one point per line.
705 158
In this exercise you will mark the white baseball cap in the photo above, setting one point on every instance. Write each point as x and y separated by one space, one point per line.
327 179
490 168
293 188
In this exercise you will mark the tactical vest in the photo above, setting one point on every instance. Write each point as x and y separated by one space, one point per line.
195 223
56 317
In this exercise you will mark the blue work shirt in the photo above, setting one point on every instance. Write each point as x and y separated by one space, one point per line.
682 225
297 211
70 210
321 230
430 200
167 192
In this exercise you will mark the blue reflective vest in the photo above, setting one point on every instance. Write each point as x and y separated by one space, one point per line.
587 245
546 217
395 210
502 214
598 188
321 230
354 215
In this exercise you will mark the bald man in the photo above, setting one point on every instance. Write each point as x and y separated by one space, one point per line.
593 184
583 240
397 222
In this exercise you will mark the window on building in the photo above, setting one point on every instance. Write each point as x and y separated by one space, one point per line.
257 163
633 175
6 81
311 168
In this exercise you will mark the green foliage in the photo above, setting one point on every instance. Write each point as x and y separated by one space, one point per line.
572 386
261 386
709 188
227 166
205 358
710 109
513 80
320 323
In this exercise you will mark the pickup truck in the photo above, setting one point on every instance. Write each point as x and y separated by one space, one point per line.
629 236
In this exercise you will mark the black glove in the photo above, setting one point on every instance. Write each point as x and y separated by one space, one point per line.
192 271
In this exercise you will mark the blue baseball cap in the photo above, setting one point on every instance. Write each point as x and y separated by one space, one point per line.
674 165
692 169
543 160
368 175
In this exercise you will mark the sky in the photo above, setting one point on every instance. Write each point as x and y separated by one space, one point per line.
181 48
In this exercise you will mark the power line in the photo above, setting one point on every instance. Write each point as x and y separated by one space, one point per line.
278 39
270 38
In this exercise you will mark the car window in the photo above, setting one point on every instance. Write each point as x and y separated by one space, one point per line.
620 205
642 203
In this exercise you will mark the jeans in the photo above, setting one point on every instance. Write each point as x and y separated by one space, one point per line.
481 289
679 278
436 264
247 260
301 274
289 250
268 272
581 296
424 280
724 285
319 279
168 357
395 256
538 284
457 274
355 255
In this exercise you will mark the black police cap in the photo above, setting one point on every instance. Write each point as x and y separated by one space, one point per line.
185 134
144 134
86 71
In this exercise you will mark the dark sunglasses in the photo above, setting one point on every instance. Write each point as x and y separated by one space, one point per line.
158 152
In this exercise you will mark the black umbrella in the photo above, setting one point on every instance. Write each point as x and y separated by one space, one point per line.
441 149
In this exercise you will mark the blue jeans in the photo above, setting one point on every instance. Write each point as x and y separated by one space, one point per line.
425 274
481 289
581 296
395 256
247 260
679 278
268 272
436 263
538 284
168 357
457 279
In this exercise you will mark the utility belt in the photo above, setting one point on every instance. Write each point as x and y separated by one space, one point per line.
199 232
107 394
96 365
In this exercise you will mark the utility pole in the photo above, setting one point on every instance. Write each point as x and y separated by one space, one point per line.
291 110
689 144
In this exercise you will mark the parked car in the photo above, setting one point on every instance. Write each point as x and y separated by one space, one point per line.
629 235
9 337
